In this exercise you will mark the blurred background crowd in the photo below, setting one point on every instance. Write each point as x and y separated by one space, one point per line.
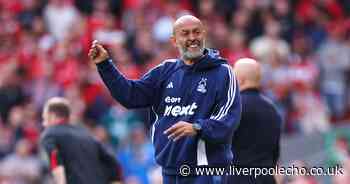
303 45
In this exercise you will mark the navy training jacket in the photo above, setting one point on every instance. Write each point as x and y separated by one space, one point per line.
205 93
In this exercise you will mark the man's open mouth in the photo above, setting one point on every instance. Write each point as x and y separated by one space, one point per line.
193 45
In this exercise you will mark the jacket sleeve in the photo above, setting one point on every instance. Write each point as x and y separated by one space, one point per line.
49 144
129 93
225 119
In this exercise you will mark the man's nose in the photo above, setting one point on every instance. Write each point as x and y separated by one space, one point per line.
192 37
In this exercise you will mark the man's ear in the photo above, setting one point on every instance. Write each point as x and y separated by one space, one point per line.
240 81
173 40
52 117
239 78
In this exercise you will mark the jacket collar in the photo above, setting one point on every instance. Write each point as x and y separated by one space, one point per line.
251 91
210 59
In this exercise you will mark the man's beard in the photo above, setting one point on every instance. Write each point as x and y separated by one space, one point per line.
190 55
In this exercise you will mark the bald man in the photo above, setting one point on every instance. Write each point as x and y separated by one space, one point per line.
195 100
256 141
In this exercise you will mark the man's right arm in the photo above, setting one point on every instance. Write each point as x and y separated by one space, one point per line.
130 93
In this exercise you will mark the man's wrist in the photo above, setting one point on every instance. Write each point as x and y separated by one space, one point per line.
106 60
197 127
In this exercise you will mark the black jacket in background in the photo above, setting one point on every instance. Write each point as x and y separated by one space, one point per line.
256 141
84 159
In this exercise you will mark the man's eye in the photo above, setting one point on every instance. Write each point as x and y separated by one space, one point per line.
197 32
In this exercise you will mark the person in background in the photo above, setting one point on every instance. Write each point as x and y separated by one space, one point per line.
256 141
21 166
136 158
75 156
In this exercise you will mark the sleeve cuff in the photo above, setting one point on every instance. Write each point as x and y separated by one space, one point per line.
202 124
104 64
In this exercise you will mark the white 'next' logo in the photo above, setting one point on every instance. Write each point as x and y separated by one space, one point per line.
177 110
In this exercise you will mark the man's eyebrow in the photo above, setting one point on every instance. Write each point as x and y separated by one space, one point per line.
183 30
190 29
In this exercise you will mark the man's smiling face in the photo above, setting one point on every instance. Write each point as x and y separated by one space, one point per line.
189 37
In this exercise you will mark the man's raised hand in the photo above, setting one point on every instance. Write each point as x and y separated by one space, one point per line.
97 53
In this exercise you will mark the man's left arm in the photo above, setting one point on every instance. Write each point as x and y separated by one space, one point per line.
49 145
220 126
59 175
